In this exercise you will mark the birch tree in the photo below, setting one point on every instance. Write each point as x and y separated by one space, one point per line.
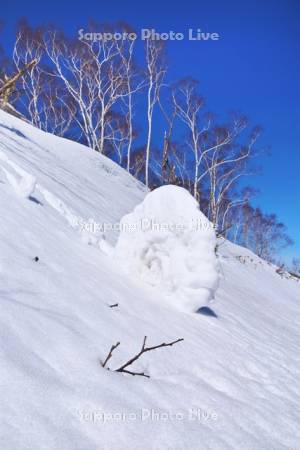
29 47
225 165
92 72
134 84
189 106
155 73
46 103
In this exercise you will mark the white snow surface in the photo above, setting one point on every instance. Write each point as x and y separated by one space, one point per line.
170 244
234 382
24 183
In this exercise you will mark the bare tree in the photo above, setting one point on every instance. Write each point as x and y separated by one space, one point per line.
188 105
8 86
117 136
155 73
262 233
93 73
43 98
134 84
28 47
138 162
225 165
218 159
129 76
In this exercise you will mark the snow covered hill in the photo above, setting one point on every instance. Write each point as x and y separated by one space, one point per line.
234 382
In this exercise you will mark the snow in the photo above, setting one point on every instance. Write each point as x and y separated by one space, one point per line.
234 382
23 184
169 243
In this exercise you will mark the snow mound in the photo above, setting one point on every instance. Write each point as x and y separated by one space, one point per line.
169 243
24 183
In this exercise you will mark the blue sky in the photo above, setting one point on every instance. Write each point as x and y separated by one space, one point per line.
253 67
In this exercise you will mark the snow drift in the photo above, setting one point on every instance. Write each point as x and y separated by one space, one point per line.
169 243
234 382
22 182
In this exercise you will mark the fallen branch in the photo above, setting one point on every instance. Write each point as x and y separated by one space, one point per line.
113 347
141 374
143 350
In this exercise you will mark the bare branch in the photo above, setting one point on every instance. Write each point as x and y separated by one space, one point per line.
113 347
143 350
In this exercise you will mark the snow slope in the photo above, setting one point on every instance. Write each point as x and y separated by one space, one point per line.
234 382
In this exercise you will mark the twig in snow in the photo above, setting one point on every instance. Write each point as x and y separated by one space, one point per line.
113 347
143 350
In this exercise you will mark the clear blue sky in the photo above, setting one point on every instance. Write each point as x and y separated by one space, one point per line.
254 67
